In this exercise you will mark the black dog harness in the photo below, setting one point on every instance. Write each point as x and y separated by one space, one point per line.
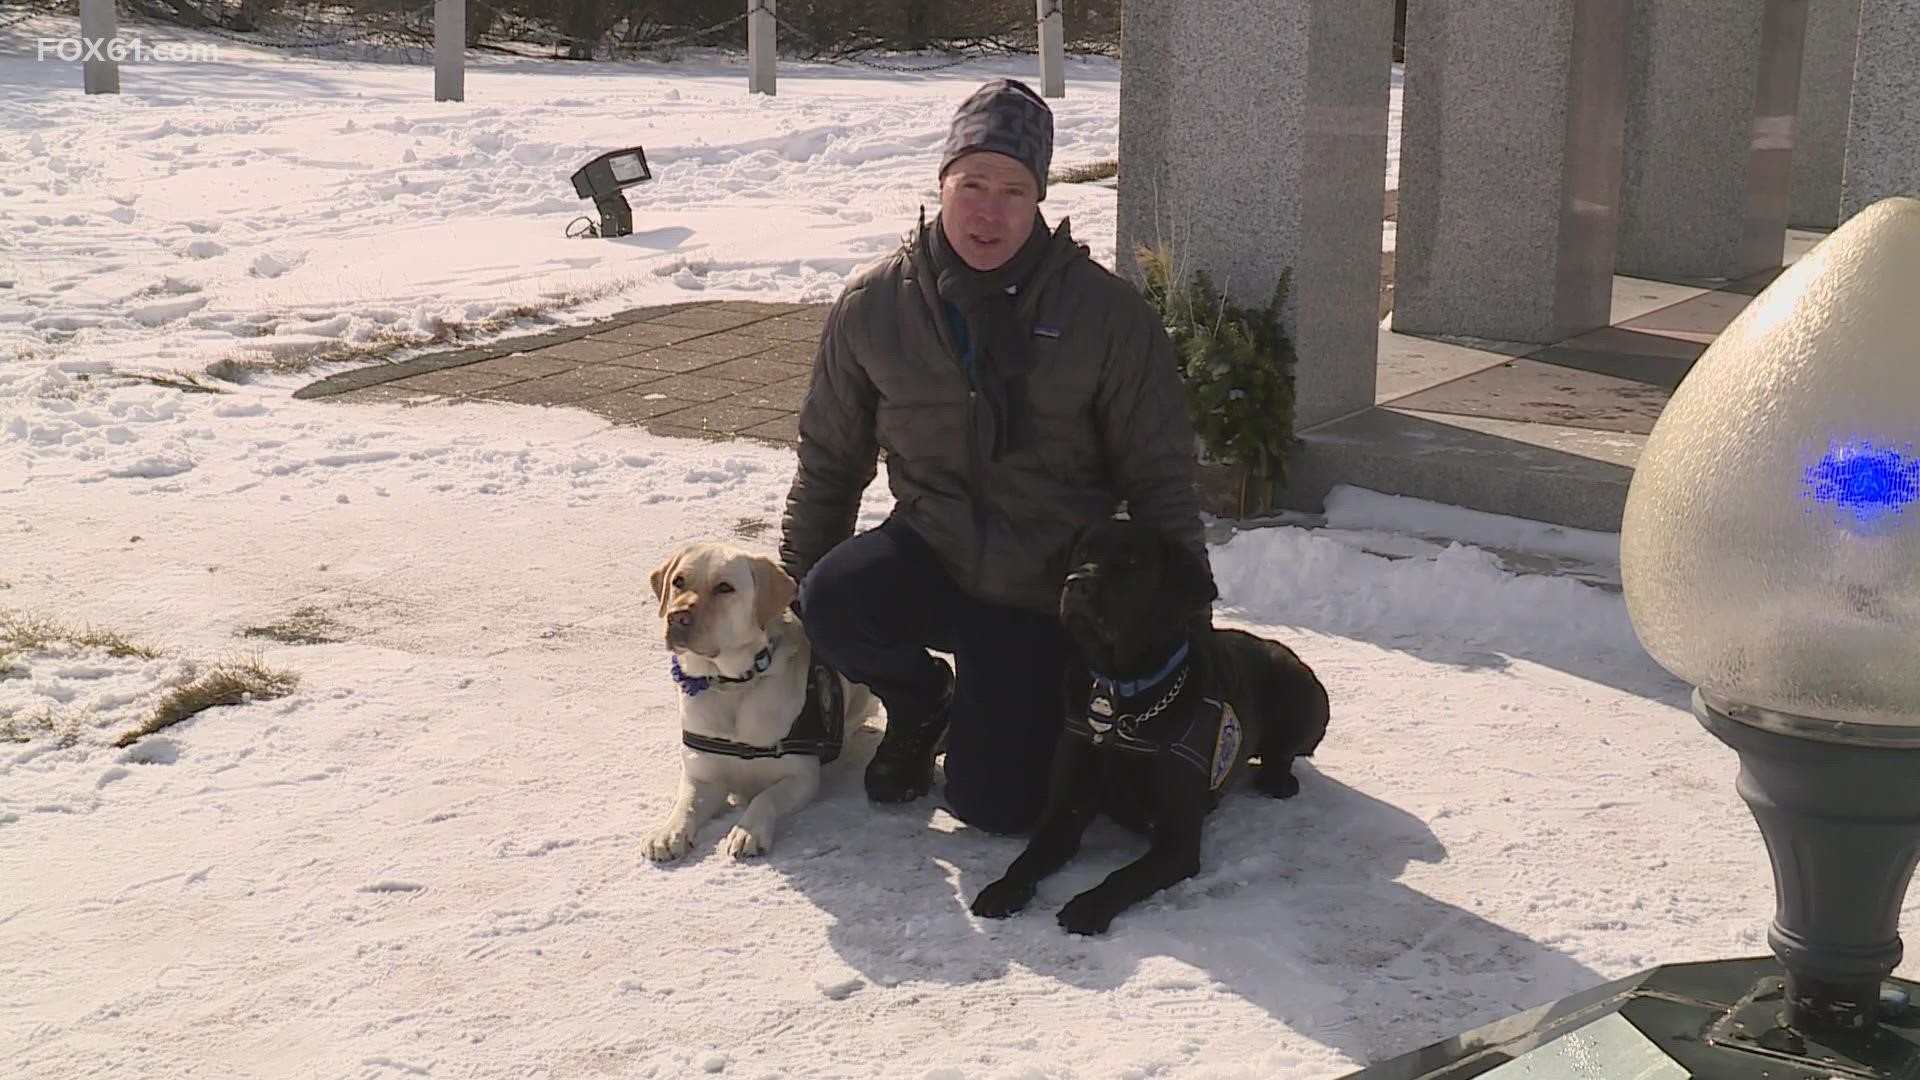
1210 744
818 732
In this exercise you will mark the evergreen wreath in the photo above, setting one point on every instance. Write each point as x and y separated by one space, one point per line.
1237 366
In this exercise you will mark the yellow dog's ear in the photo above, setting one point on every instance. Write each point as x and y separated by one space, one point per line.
663 574
773 590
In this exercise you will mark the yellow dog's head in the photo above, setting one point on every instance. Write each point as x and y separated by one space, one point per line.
717 598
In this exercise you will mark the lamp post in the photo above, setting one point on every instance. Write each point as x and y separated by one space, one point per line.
1770 556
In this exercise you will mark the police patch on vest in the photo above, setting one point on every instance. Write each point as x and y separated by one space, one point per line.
1226 746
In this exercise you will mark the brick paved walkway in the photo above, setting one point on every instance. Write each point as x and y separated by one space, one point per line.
727 369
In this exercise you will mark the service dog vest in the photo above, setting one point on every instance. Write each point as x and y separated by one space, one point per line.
1210 743
816 731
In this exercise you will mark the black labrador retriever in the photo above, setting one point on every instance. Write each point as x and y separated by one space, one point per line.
1163 712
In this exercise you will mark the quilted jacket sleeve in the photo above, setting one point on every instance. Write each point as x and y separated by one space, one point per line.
838 448
1148 434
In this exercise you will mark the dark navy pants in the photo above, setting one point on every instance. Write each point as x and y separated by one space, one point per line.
877 603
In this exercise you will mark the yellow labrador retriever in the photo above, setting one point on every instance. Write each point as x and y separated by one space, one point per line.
742 664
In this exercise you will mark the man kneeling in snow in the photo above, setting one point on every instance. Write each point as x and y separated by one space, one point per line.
1021 392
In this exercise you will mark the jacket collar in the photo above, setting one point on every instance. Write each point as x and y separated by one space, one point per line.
1063 251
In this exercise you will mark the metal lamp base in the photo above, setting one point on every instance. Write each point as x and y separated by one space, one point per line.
1713 1021
1839 807
616 217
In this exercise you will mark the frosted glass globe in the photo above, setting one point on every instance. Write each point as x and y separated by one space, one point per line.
1770 552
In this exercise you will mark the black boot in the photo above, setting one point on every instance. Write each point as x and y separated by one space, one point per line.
902 765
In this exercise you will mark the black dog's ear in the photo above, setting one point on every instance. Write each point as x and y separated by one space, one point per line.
1186 580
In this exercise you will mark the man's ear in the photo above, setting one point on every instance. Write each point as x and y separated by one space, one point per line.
1186 579
773 590
663 574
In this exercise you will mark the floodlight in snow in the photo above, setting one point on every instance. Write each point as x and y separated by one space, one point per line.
1770 556
604 178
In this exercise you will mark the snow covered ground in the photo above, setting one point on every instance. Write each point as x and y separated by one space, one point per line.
426 861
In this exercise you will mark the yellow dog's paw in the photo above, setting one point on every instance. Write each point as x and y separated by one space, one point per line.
668 844
745 841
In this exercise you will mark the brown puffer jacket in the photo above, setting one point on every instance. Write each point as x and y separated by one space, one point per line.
1109 424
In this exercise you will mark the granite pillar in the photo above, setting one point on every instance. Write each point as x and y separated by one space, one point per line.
1510 167
1883 134
1708 173
1253 139
1820 125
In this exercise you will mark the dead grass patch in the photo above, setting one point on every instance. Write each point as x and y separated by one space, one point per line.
20 633
305 625
229 683
1086 174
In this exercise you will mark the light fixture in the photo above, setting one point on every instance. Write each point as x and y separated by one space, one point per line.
603 180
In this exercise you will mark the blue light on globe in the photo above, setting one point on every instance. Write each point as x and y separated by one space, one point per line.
1865 483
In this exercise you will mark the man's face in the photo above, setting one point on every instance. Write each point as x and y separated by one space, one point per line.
987 204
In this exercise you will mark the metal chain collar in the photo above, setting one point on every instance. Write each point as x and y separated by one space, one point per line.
1128 723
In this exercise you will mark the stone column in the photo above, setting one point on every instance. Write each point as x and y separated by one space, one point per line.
1709 163
1883 136
99 23
1053 47
762 58
450 50
1510 167
1820 126
1253 139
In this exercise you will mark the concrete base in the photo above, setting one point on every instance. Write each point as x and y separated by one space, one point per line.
1568 476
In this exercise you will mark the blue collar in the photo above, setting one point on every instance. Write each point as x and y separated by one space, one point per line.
693 684
1134 687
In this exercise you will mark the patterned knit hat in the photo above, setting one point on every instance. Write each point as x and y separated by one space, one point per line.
1006 117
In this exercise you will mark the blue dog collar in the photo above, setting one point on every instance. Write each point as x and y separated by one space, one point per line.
1134 687
693 684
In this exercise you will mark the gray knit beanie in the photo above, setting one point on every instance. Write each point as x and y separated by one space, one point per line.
1006 117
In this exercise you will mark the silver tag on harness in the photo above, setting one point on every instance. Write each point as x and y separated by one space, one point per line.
1100 706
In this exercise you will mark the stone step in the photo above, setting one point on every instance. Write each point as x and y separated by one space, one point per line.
1576 477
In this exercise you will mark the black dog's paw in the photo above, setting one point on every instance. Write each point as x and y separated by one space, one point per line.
1001 899
1087 914
1277 782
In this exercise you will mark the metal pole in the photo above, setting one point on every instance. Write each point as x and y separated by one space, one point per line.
761 22
98 26
1053 45
449 50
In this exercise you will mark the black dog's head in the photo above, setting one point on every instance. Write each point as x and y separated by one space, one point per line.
1132 594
